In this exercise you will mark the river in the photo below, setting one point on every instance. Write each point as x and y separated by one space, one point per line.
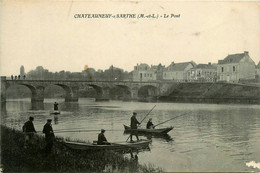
212 137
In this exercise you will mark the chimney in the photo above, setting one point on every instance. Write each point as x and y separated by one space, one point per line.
209 63
246 52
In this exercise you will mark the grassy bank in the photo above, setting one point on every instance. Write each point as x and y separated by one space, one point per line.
15 158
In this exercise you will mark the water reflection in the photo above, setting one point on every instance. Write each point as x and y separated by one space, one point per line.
165 137
211 138
37 106
3 109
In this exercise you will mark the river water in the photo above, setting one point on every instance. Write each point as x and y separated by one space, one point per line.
212 137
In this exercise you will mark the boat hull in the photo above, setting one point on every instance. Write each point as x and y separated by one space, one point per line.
148 131
55 112
141 144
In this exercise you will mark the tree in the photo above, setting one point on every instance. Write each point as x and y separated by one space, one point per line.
22 72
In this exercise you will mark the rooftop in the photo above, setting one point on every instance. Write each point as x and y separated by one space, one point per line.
234 58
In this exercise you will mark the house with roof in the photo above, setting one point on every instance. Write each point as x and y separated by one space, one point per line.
144 72
236 67
178 71
205 72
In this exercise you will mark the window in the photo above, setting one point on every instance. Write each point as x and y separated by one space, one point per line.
135 68
145 75
145 68
150 75
222 69
234 68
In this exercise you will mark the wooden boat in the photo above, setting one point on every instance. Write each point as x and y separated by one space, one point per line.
55 112
152 131
141 144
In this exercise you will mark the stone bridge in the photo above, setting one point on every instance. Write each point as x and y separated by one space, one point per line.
71 87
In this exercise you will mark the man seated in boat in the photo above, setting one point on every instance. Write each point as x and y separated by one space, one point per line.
149 124
102 140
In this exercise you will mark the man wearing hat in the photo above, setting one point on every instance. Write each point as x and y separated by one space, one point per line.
149 124
134 124
49 136
102 140
29 130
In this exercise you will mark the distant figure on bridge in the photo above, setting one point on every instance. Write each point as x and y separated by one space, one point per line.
19 76
29 130
15 77
149 124
12 77
24 77
56 106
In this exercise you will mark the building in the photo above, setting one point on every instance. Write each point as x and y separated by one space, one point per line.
144 72
236 67
202 72
178 71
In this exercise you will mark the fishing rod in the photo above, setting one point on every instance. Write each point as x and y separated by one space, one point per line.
84 130
143 119
81 130
171 119
146 115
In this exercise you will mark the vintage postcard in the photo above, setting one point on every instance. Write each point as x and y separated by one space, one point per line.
130 86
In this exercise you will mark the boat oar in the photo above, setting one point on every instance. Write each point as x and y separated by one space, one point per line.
171 119
143 119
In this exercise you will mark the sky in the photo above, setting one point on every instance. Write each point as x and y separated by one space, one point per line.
46 33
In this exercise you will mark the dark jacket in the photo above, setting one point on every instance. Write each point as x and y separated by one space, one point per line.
134 122
101 139
29 127
56 106
149 125
48 131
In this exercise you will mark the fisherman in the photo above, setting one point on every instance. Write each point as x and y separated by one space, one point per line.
102 140
29 130
49 136
56 106
134 124
149 124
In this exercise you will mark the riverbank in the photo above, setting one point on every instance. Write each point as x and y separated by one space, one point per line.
16 158
213 93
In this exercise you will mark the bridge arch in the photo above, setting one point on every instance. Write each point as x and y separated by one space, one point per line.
37 91
121 92
148 91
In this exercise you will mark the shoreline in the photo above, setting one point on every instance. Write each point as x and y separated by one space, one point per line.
16 158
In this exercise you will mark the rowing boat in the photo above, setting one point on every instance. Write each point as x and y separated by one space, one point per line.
55 112
141 144
152 131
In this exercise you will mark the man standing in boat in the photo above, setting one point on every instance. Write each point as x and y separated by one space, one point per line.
134 124
56 106
149 124
29 130
102 140
49 136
